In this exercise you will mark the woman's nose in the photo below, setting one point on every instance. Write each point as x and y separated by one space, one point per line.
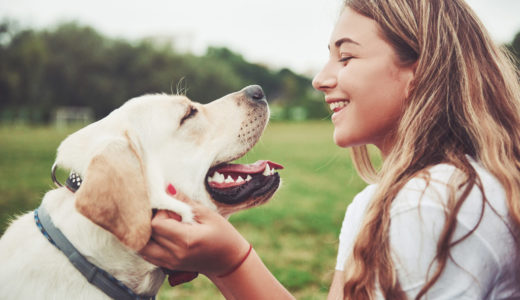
324 80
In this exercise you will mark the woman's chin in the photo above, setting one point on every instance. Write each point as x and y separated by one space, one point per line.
341 141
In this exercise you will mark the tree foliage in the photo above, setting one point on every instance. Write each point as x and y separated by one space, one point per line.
514 49
74 65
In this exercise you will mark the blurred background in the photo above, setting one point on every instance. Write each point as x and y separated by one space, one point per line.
64 64
62 60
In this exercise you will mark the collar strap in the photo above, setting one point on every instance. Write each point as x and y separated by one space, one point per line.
96 276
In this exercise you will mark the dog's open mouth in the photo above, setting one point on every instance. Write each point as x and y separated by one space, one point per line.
236 183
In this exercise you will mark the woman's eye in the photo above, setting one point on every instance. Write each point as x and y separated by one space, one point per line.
191 112
345 58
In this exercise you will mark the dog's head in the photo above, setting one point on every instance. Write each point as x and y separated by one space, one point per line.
129 158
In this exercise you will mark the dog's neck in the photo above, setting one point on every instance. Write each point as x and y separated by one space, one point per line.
99 246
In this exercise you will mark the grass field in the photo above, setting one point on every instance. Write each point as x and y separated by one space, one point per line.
295 233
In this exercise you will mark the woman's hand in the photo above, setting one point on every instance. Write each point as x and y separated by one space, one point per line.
210 245
213 247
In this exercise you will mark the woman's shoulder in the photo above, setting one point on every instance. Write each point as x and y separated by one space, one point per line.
435 185
362 199
365 194
418 218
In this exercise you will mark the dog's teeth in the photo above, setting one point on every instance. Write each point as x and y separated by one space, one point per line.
248 178
218 178
267 170
240 179
229 179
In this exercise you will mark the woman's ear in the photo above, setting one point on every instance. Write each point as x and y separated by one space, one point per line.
410 79
114 193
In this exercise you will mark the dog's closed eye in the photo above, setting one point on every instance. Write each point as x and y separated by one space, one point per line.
191 112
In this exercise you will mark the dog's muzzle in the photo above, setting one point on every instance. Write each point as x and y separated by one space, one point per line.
237 183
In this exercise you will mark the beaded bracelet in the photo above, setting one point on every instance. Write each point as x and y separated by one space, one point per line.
239 264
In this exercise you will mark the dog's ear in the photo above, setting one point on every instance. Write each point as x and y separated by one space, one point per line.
114 193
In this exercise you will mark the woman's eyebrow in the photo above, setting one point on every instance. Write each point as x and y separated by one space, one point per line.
341 41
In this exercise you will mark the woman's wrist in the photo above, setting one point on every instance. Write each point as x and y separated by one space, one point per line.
236 266
251 280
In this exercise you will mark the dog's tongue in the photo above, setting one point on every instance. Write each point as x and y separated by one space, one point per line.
253 168
179 277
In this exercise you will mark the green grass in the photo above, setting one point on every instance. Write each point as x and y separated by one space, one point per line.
295 233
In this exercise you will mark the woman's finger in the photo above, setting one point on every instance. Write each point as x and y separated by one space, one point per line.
169 228
183 198
156 254
156 262
193 204
167 214
174 248
166 223
165 253
153 249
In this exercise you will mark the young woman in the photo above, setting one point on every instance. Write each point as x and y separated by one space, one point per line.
423 82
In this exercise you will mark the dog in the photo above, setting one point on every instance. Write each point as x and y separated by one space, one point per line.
123 165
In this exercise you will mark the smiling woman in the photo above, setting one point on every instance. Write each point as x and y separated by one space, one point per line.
362 73
424 83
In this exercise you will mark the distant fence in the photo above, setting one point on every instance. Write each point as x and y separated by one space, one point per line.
68 115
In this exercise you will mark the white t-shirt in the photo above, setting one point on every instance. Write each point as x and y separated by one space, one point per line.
482 265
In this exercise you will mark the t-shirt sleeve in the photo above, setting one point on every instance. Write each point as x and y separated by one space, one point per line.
351 225
417 222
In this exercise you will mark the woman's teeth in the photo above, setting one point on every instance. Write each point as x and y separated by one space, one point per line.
338 105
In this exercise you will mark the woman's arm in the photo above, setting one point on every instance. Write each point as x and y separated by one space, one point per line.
252 280
336 288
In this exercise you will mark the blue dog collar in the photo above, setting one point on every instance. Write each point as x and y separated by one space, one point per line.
96 276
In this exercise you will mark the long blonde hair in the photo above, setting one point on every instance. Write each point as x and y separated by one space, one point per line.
464 101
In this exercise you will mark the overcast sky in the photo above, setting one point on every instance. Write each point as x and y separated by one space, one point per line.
279 33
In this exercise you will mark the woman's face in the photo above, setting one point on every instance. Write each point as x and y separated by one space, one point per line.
363 83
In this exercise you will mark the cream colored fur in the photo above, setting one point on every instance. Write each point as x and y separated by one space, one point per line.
127 160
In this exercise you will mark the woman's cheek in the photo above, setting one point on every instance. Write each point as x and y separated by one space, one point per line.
343 74
347 78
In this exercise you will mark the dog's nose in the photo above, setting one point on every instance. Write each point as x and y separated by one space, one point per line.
255 92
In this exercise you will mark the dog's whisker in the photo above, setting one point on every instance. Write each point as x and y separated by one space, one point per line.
182 87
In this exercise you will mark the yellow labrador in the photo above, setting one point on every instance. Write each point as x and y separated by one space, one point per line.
126 162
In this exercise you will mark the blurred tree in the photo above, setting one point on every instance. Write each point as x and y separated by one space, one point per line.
22 73
74 65
514 48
